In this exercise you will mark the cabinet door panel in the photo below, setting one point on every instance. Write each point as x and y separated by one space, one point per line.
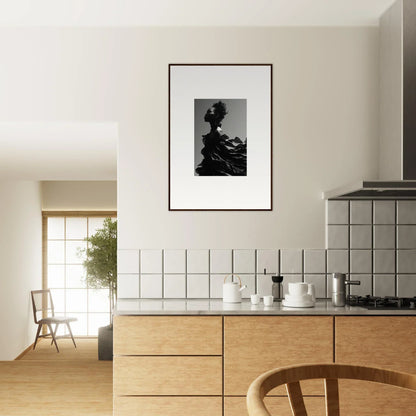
253 345
167 335
380 341
236 406
168 406
185 376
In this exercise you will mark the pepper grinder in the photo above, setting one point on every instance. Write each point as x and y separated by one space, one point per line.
277 288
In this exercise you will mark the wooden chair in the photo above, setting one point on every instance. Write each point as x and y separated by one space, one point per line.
42 303
290 376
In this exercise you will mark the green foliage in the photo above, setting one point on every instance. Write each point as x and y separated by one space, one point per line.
101 259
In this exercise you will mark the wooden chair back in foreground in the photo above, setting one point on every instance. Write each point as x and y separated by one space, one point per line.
291 376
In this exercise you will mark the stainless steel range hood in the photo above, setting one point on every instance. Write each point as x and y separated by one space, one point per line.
374 190
397 150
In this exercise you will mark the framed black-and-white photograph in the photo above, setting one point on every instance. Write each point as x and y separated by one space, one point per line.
220 137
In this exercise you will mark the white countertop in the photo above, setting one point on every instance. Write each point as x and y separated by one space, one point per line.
217 307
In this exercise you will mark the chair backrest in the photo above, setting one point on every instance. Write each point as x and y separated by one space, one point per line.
42 304
290 376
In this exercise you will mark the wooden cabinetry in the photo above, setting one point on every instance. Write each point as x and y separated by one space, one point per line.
255 344
170 365
203 365
380 341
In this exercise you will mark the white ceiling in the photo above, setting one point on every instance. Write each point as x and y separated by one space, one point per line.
191 12
58 151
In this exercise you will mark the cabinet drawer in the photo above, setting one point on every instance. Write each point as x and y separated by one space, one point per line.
253 345
167 335
236 406
168 406
185 376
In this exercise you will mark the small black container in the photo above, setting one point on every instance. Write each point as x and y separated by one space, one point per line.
277 288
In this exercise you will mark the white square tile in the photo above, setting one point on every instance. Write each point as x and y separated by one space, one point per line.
384 212
406 261
216 283
406 285
174 261
294 278
337 236
197 261
221 261
406 236
361 261
384 285
264 284
365 286
337 212
128 286
361 212
314 261
244 261
151 286
151 261
267 261
250 281
319 280
384 236
291 261
174 286
197 286
406 212
384 261
337 261
128 261
361 236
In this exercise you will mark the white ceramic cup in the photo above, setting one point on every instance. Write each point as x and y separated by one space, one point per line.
268 300
298 288
255 299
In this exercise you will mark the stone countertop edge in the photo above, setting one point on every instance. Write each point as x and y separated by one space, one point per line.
201 307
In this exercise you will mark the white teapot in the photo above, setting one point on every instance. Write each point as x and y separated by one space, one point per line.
231 291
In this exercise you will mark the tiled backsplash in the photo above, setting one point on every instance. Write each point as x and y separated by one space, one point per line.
374 241
371 241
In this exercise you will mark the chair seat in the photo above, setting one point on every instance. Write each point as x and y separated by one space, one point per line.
57 320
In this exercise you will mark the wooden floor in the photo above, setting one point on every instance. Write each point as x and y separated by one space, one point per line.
45 383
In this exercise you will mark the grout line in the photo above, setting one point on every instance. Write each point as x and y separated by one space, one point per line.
209 273
186 273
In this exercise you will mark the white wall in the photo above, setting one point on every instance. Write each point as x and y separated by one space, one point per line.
325 118
21 264
79 195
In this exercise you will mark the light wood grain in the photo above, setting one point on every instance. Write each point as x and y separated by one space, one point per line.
56 387
167 335
380 341
291 375
168 406
383 341
253 345
185 376
369 399
278 406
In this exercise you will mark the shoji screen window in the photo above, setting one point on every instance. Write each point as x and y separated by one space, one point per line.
66 274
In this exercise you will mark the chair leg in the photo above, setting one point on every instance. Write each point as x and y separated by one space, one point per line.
70 332
53 337
37 335
54 334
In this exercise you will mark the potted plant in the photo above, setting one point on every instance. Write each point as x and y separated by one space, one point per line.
101 272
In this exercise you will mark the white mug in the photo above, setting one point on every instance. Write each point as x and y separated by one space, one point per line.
255 299
268 300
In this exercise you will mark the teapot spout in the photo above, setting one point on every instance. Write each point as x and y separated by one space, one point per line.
243 287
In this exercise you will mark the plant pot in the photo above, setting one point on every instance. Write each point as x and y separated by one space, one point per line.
105 343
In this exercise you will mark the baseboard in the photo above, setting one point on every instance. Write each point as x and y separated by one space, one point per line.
20 356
